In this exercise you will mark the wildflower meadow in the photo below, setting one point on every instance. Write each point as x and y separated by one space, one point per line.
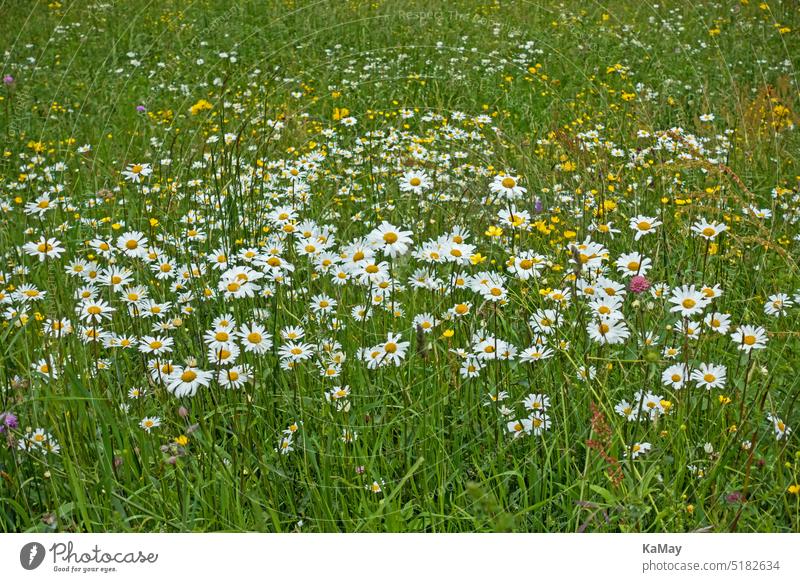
371 266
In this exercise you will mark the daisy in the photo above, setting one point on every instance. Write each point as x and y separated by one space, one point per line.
235 377
58 327
514 218
638 449
219 337
394 349
643 225
226 322
376 487
155 345
414 181
535 353
135 172
633 264
586 373
526 265
39 206
338 393
132 244
150 422
44 248
102 247
165 268
709 376
588 254
223 355
506 187
750 337
776 304
607 308
626 410
781 430
254 338
150 308
286 445
719 322
115 277
27 292
545 321
608 332
296 351
471 367
609 288
675 376
687 301
460 309
708 230
711 292
133 295
292 333
520 427
424 321
94 311
135 393
536 402
540 422
185 381
322 304
491 286
391 240
45 368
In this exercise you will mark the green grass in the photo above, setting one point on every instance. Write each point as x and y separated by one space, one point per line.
546 75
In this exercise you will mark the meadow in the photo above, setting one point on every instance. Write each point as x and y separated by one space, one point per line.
369 266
